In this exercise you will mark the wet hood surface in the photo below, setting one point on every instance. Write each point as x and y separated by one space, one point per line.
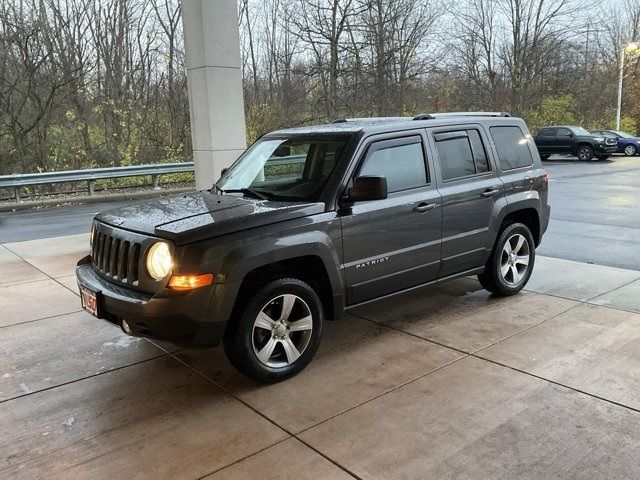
200 215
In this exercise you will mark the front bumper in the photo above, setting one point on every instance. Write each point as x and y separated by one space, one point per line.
194 319
601 148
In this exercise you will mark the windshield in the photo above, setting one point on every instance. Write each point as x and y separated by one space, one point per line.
580 131
284 168
622 134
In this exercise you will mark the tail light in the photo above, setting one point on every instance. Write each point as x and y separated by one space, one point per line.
545 177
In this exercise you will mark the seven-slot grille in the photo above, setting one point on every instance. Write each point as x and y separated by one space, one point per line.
116 258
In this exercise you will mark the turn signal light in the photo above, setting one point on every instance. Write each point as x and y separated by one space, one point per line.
190 282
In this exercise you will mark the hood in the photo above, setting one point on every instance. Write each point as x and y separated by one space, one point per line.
200 215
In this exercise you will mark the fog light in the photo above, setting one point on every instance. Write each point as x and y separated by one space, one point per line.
125 327
189 282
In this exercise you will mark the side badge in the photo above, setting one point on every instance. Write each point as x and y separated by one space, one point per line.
372 262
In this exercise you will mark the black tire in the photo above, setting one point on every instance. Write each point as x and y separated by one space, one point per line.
242 334
492 278
545 156
584 153
630 150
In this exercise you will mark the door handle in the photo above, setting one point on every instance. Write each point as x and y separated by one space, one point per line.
490 192
425 207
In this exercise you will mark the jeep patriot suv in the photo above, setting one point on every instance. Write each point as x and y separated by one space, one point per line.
312 221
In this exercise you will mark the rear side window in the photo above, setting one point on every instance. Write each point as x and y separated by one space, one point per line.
461 154
548 132
403 165
512 146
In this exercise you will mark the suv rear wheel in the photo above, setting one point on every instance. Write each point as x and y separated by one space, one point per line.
584 153
511 262
278 331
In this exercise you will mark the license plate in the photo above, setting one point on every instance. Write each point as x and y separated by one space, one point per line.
89 300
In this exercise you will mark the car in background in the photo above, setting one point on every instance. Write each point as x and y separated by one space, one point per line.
627 143
572 140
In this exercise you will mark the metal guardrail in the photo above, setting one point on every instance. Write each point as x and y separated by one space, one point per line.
90 175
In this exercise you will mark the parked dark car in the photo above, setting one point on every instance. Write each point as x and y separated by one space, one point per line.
571 140
627 143
310 222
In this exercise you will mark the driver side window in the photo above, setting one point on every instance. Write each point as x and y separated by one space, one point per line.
402 164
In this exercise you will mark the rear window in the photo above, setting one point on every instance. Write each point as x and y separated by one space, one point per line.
512 146
461 154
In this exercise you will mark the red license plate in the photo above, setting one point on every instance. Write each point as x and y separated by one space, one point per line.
89 300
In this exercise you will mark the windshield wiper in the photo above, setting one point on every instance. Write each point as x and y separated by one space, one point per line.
248 191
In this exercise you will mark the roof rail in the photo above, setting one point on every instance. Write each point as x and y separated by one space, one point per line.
432 116
371 119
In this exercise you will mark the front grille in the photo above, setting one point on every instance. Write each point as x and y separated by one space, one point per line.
116 258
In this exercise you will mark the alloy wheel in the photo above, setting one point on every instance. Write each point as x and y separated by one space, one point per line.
514 261
584 153
282 330
629 150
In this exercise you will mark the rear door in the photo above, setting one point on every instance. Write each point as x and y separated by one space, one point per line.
392 244
470 187
545 140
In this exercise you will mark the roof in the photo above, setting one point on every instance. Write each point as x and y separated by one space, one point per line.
386 124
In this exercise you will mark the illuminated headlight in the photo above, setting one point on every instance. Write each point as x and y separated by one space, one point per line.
159 261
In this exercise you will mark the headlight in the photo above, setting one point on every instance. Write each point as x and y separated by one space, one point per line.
159 261
599 139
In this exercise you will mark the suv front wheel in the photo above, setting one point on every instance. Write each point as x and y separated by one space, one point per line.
511 262
584 153
278 331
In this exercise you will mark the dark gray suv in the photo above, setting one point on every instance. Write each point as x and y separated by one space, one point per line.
312 221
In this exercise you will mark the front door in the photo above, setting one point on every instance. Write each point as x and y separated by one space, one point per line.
563 142
393 244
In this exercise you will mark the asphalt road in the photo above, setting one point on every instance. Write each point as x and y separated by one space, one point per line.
595 214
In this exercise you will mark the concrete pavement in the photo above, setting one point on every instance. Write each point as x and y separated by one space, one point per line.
445 382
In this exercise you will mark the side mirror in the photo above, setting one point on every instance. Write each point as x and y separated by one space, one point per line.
368 188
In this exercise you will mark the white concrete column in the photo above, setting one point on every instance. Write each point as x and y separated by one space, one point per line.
214 77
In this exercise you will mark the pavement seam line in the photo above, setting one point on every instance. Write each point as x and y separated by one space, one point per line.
375 397
273 422
235 462
43 318
39 269
589 301
295 435
578 304
559 384
613 290
85 378
474 354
